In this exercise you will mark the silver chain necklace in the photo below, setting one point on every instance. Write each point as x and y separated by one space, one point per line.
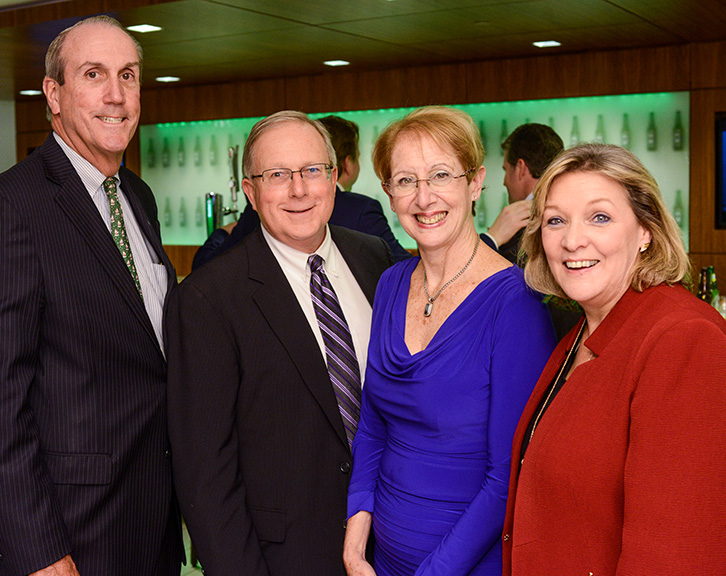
429 308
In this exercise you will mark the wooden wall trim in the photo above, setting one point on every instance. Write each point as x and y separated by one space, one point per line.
704 237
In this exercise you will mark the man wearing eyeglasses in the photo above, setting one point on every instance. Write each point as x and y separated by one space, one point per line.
267 348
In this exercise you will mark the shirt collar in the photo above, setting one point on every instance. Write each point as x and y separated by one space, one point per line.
292 259
91 177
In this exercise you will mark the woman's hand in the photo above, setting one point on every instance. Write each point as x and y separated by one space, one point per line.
354 548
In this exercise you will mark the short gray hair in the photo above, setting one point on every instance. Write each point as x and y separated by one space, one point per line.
279 118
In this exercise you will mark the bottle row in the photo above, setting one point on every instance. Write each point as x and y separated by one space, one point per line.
178 154
708 290
168 219
626 139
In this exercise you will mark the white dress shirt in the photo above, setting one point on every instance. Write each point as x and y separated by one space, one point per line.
153 276
354 303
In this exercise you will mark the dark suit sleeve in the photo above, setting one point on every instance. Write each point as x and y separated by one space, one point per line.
32 532
204 377
372 221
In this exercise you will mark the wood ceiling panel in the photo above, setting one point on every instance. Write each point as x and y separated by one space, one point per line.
524 17
205 41
696 21
493 46
322 12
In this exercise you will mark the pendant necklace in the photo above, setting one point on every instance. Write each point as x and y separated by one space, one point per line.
429 307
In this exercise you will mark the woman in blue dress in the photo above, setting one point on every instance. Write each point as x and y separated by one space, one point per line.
457 344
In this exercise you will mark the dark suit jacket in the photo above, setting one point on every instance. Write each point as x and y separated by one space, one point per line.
625 473
84 465
352 210
261 460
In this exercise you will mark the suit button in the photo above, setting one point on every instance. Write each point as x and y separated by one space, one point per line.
505 537
167 454
345 467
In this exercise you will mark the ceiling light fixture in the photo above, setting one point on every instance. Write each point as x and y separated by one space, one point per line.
31 92
547 44
143 28
167 79
336 63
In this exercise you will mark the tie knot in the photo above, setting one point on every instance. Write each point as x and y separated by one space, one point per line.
109 185
316 263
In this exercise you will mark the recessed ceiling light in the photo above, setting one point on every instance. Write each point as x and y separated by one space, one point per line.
31 92
143 28
547 44
336 62
167 79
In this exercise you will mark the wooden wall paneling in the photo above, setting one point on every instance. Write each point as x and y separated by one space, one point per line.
414 86
30 115
704 238
575 75
708 63
26 142
38 13
181 257
212 101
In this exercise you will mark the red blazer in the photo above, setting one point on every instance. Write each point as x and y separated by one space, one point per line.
626 472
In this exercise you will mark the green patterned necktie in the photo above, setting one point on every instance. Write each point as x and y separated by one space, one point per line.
118 230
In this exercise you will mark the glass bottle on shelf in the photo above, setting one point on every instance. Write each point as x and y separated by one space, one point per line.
600 130
575 133
199 213
625 139
181 153
503 136
167 212
213 152
165 154
151 155
678 210
651 135
197 152
703 284
712 287
182 213
678 132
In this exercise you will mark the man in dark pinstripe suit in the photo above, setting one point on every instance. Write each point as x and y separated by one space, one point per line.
85 472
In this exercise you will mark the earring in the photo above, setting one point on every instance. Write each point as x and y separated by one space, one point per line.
644 247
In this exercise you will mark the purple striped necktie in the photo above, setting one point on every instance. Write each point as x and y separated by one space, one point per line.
339 351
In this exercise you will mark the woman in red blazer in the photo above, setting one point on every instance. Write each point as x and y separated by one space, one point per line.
618 463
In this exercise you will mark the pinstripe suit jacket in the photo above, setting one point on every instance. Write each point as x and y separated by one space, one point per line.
84 460
261 460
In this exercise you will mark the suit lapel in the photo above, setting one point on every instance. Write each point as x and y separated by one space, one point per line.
75 202
278 304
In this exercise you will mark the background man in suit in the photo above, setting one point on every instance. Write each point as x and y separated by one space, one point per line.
351 210
262 404
527 152
86 475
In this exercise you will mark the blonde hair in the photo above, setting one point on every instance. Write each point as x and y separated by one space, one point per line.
448 127
664 261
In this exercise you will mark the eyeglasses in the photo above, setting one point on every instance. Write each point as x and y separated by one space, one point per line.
279 177
405 185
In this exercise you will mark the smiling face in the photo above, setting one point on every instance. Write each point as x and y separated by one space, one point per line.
294 214
97 109
591 239
433 217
